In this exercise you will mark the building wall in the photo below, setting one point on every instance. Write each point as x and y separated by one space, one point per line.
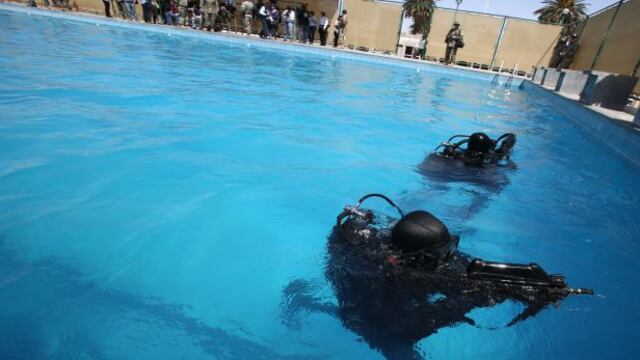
372 24
480 35
592 34
526 44
621 51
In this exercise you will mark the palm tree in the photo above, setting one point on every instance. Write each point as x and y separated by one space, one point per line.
421 11
552 11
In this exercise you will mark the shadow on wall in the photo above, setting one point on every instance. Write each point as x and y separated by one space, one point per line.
608 91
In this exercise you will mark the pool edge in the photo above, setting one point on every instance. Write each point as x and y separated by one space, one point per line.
623 138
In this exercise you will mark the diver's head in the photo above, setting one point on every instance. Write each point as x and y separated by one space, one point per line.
421 231
456 24
480 142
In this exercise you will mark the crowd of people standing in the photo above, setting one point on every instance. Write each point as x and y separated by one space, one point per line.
295 23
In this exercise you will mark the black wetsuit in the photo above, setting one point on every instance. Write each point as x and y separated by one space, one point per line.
394 300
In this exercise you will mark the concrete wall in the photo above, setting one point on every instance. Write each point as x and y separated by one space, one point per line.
372 24
594 30
524 43
480 35
621 51
527 44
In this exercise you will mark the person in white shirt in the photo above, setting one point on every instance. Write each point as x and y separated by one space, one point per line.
263 13
324 28
289 17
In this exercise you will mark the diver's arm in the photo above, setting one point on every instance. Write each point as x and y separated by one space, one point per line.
531 310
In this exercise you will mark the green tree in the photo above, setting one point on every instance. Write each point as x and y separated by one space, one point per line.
552 11
421 11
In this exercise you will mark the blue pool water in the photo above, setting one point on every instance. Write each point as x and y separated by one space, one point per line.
158 193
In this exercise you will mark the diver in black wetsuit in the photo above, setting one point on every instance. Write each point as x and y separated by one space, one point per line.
399 281
480 150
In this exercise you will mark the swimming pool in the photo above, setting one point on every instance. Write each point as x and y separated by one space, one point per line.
158 193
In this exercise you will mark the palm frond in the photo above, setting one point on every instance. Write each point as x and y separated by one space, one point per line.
552 10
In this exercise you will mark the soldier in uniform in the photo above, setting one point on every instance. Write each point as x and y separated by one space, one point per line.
454 41
568 52
183 7
210 10
247 15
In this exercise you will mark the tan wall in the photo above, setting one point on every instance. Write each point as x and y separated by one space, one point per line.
621 51
527 44
480 35
590 40
372 24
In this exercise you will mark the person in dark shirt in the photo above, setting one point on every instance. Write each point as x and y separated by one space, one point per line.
302 16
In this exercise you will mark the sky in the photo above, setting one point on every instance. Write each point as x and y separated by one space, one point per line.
515 8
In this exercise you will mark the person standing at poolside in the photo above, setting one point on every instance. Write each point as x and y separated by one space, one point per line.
155 9
324 28
183 6
146 10
274 21
289 17
163 7
568 52
303 23
337 31
172 16
131 9
343 24
107 8
247 15
196 18
210 10
122 9
313 26
454 41
263 13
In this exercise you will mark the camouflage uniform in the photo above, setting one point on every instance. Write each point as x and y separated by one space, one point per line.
454 41
209 10
247 11
568 52
183 6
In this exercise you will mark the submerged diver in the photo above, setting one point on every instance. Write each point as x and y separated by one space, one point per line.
480 150
399 281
